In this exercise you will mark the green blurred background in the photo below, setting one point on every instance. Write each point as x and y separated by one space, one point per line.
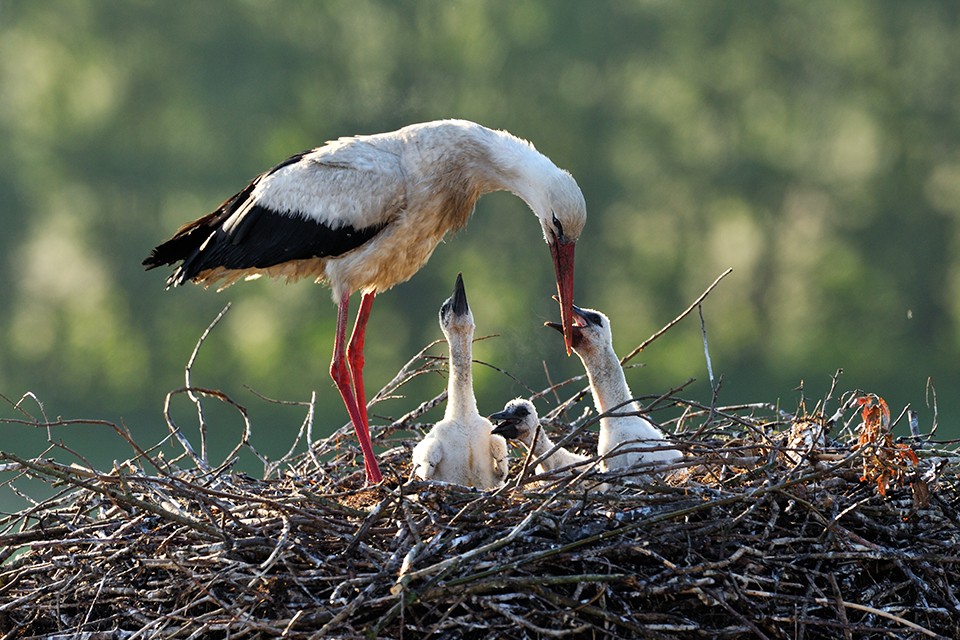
813 146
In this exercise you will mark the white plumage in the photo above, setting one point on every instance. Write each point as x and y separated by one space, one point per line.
519 421
640 441
461 448
365 213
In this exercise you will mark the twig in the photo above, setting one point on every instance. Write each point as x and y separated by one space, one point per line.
858 607
189 384
693 305
931 397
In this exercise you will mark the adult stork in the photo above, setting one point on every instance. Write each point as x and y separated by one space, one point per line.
363 214
625 439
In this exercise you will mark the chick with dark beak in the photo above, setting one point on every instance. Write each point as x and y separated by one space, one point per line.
461 448
519 421
625 437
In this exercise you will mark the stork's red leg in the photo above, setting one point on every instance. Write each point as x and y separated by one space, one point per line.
356 360
340 372
355 353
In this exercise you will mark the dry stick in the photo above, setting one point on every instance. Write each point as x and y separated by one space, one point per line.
304 432
714 387
540 631
550 385
267 564
188 384
679 513
400 586
528 458
858 607
246 439
406 374
932 391
718 597
16 405
610 617
231 617
506 373
834 379
246 436
68 474
178 435
123 433
553 389
421 409
680 317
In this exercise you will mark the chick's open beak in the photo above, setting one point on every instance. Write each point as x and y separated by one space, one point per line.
577 321
506 422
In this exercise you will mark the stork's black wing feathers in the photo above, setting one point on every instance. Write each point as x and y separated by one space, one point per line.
188 238
265 238
241 234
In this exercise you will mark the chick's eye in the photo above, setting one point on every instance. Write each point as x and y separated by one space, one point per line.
595 319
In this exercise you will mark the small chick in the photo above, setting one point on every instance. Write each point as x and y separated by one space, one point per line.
593 342
519 421
461 448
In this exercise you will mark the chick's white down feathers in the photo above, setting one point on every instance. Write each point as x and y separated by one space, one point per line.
625 440
461 448
519 420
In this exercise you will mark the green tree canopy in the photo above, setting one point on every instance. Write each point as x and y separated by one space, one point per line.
812 146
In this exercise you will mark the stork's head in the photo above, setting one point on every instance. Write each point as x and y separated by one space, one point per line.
517 421
590 331
562 213
455 315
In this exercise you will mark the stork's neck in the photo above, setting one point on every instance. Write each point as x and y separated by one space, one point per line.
516 166
607 380
478 160
543 443
460 398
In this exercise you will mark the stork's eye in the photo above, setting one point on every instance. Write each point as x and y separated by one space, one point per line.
557 226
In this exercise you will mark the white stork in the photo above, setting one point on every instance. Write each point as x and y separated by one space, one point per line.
461 448
365 213
519 421
641 441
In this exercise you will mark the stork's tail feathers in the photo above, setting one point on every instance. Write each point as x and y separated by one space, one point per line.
183 246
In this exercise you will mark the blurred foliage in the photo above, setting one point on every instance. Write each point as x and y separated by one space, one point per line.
812 146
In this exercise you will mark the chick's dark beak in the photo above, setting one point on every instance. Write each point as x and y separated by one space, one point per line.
459 298
577 320
506 429
507 426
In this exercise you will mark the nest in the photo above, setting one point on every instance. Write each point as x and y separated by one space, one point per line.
774 525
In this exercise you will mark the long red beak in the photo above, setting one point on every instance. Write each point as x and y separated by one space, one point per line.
562 253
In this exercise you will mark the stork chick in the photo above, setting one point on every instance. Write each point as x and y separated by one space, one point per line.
519 421
593 342
461 448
